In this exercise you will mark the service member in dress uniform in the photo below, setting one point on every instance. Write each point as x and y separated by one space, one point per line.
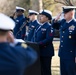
13 59
43 36
67 49
19 31
33 23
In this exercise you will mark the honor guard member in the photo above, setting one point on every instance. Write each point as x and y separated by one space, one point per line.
43 36
32 24
20 29
67 49
13 59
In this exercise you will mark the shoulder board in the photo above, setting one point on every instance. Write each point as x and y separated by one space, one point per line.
24 45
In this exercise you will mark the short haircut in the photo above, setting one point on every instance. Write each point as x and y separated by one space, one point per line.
3 32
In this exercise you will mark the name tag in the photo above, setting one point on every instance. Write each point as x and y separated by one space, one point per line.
33 26
43 29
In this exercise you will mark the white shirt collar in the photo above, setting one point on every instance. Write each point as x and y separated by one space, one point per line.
33 20
43 23
69 21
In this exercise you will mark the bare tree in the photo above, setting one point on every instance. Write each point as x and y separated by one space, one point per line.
48 3
8 6
66 2
36 5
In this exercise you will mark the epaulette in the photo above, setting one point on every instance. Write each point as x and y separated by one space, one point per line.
24 45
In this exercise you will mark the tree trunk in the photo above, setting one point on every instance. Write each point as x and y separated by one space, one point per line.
8 6
36 5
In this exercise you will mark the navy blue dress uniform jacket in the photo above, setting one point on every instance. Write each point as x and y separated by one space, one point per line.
20 20
32 26
43 35
67 49
13 60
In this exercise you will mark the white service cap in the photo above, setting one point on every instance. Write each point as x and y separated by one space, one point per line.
33 12
66 9
6 23
20 8
47 13
69 7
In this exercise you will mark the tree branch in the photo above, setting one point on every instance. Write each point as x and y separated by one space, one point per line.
66 2
59 2
69 2
49 5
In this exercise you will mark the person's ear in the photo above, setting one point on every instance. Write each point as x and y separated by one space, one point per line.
71 13
10 37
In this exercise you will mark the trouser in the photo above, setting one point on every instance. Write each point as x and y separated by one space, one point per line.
67 67
45 65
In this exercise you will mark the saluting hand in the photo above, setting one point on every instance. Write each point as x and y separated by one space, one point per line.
58 17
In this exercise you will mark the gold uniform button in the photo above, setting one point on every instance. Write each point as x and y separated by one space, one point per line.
70 51
62 36
63 32
61 46
69 37
61 41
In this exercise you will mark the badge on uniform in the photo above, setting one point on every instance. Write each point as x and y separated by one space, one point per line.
51 34
51 31
71 28
43 29
33 26
17 20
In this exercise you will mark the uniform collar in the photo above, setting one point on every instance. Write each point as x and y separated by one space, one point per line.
69 21
49 23
3 44
66 25
33 20
20 16
44 23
